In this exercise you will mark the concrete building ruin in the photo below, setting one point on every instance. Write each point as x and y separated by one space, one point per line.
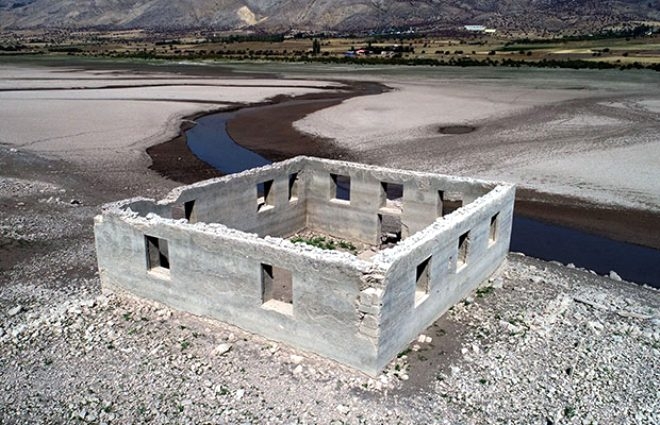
416 244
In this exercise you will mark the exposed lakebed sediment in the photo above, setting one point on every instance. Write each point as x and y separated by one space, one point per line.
539 342
210 141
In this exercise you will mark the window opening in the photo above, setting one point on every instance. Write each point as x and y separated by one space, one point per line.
158 255
265 195
392 194
276 289
342 187
492 232
451 201
441 203
293 187
422 281
185 210
463 247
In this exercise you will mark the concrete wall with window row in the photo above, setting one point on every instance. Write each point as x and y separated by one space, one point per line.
357 218
361 313
234 201
401 318
219 275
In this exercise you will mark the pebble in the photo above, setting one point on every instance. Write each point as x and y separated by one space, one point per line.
88 303
163 312
14 311
222 349
497 283
615 276
595 326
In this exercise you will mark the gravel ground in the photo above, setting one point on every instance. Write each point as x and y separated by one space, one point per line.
540 343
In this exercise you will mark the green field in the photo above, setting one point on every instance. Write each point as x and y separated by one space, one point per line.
466 50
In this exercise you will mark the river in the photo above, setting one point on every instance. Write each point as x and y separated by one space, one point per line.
210 142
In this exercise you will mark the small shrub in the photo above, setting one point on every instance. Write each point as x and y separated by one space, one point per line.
483 291
324 243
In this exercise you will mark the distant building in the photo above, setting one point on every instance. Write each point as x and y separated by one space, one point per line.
475 28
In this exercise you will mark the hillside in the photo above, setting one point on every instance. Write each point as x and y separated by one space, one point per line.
341 15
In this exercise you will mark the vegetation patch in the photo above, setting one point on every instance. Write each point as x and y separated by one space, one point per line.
324 242
632 47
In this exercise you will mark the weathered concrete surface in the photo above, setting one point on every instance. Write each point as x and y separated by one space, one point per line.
361 313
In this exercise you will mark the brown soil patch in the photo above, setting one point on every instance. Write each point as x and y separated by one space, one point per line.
269 130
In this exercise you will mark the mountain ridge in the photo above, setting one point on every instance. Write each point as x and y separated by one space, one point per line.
322 15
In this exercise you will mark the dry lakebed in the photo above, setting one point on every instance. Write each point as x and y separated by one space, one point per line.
539 342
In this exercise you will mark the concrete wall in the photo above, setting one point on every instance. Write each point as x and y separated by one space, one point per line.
357 312
353 219
401 319
216 272
357 219
233 201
